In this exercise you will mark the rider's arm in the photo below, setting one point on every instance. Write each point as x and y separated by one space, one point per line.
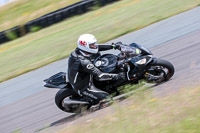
105 47
90 68
108 47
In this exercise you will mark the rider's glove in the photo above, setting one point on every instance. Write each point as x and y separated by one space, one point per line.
117 45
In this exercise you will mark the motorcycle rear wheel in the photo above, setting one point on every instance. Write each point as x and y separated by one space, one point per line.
60 96
69 94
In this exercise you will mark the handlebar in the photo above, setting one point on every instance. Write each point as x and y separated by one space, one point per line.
127 52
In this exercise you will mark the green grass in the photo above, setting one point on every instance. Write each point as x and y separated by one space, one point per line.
58 41
21 11
143 113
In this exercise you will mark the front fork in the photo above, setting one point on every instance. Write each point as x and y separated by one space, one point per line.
140 70
153 78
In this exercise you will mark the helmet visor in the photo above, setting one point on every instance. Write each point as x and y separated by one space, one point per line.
93 46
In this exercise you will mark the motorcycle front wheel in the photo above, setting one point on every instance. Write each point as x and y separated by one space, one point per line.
160 71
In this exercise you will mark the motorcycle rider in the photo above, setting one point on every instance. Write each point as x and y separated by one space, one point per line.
81 69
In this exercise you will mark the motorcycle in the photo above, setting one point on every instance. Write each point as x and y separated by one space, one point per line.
143 66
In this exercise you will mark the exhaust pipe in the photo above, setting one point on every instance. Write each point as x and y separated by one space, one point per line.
71 101
75 106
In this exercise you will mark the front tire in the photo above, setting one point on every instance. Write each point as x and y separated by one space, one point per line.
162 66
168 66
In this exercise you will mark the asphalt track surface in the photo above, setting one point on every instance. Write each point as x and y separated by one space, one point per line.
26 106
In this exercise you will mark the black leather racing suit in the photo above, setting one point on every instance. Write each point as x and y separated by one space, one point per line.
80 72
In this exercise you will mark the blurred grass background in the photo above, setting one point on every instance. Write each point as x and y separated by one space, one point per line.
21 11
143 113
57 42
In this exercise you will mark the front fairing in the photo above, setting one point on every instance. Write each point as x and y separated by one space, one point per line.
141 61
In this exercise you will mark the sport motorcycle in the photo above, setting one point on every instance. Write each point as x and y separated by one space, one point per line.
137 67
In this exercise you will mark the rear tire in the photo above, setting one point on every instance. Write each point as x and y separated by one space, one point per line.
60 96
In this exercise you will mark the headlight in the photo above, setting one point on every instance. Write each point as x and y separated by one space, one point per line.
142 61
44 83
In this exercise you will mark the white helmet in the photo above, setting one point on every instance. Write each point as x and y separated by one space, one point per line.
87 43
